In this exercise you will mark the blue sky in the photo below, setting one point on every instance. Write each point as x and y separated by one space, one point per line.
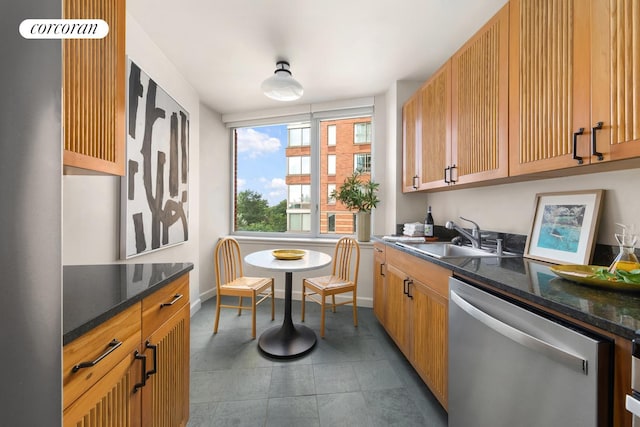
262 164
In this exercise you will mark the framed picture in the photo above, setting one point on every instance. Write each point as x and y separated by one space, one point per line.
564 227
155 189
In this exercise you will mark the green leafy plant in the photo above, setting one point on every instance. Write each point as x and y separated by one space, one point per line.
356 194
632 276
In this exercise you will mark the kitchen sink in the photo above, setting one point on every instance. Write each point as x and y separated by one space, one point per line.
445 250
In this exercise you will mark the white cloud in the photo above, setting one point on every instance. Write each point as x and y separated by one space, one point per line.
240 183
278 191
255 144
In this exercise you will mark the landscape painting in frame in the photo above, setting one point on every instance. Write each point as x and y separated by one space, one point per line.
564 227
155 188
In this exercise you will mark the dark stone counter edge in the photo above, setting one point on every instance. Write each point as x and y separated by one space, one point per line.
604 324
101 318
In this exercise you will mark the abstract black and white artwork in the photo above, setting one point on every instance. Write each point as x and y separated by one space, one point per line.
155 188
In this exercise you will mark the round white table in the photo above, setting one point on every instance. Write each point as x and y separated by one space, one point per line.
288 340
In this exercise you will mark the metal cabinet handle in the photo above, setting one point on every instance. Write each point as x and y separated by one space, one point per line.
381 270
598 126
415 186
409 288
447 169
143 382
111 347
378 249
570 360
453 181
575 145
154 348
176 297
404 286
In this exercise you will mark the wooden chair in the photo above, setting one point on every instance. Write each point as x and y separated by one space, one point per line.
343 278
230 281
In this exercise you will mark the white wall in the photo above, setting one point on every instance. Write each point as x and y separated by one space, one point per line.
215 194
91 204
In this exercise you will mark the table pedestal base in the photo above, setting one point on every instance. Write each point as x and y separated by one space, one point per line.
284 342
288 340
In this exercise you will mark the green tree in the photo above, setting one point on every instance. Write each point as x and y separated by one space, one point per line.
251 209
278 216
255 214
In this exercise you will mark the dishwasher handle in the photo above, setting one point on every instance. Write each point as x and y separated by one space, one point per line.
570 360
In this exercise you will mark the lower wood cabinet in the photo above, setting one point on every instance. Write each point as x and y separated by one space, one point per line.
125 386
416 315
379 282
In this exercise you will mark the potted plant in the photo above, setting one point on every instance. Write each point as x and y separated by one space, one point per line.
359 195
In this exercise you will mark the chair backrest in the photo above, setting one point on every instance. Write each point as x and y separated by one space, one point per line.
227 260
346 259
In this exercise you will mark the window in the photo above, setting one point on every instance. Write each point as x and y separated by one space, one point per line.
362 133
330 189
362 162
331 222
299 196
331 135
299 165
331 164
284 173
299 136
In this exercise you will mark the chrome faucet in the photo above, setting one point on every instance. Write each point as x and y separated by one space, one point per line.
474 237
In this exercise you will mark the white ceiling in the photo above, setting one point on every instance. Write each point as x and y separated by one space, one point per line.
338 49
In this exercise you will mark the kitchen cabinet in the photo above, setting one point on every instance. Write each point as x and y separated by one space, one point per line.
416 316
137 370
410 140
435 130
100 370
480 105
165 326
572 97
458 120
379 281
94 91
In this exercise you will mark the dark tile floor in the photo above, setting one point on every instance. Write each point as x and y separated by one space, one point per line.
353 377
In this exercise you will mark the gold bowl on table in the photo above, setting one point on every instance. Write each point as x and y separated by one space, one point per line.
288 254
585 275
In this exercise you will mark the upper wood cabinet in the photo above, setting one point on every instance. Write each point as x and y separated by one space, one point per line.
410 141
615 74
480 104
94 90
573 100
435 129
459 117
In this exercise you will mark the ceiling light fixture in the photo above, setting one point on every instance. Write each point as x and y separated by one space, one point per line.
281 86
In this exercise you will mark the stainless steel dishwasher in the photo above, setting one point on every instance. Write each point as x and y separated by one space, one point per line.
511 367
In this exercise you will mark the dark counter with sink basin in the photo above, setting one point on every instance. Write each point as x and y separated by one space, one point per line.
612 311
444 250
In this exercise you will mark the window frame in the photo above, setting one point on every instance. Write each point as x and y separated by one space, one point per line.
314 120
369 132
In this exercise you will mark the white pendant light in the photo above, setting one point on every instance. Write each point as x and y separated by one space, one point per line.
281 86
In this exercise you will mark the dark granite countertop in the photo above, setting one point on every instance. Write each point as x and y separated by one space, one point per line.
615 312
92 294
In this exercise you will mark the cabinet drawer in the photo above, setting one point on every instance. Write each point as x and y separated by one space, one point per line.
95 346
161 305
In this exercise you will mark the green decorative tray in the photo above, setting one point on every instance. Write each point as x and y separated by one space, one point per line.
584 274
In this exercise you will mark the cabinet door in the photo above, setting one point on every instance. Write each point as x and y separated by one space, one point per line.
480 104
379 282
435 129
615 76
166 394
397 307
94 90
429 338
548 84
111 402
410 140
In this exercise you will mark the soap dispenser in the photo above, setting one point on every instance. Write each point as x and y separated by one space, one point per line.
626 259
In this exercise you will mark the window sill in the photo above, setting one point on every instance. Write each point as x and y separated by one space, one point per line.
315 241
